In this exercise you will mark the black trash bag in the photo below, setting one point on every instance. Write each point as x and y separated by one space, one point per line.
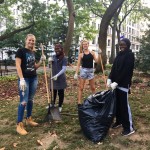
96 115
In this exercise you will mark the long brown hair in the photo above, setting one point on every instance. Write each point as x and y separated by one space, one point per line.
81 45
28 35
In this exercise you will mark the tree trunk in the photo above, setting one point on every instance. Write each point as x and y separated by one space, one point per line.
103 30
70 27
118 37
115 19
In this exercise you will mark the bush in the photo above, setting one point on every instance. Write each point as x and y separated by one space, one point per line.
142 62
108 66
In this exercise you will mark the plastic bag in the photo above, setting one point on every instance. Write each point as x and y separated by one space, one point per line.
96 115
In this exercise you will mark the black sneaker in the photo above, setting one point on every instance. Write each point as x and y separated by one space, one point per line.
116 125
127 133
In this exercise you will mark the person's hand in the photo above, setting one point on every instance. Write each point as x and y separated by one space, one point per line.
22 84
76 76
108 82
43 58
54 77
113 85
50 59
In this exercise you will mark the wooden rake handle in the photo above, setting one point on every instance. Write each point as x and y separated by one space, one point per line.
51 80
103 71
46 82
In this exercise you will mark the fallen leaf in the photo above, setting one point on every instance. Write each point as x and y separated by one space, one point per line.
100 143
39 142
15 144
54 135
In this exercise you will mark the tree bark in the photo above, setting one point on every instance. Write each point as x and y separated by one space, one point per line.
70 27
103 30
115 19
1 1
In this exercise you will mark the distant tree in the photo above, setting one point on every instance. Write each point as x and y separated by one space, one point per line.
143 57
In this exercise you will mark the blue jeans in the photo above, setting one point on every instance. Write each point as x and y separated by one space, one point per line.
26 97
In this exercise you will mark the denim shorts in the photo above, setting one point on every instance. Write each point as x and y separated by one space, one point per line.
87 73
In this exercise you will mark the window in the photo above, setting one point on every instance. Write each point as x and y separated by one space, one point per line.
14 11
129 30
109 30
93 42
133 46
108 42
137 47
94 24
132 31
129 37
98 26
16 22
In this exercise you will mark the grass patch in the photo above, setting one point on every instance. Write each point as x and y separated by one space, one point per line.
68 132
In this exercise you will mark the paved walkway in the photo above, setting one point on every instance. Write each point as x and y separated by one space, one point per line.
12 70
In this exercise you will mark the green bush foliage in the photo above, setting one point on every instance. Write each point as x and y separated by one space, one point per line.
143 57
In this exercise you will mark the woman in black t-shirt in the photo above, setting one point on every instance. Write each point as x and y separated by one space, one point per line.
27 82
85 58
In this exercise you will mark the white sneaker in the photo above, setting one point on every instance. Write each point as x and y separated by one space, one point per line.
48 106
60 109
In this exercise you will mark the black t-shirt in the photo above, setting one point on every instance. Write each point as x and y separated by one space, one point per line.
27 62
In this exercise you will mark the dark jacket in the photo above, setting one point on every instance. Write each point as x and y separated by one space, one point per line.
122 69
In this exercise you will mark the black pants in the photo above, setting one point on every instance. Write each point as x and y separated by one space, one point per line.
61 96
123 111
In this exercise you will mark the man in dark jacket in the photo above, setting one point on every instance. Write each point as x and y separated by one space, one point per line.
120 78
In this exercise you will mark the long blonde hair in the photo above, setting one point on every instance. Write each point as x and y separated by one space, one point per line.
28 35
81 45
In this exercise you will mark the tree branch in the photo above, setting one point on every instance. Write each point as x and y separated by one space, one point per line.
8 35
1 1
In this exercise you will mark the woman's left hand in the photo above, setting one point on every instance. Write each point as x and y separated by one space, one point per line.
54 77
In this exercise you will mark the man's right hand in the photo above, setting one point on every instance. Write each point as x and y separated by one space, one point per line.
76 76
22 84
113 85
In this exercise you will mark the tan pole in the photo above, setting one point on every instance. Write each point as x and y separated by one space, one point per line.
47 90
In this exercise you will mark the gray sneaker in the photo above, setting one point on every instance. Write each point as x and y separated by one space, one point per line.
127 133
